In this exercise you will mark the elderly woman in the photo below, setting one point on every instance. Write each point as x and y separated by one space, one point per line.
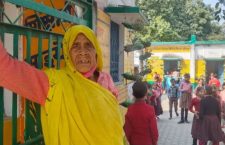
78 103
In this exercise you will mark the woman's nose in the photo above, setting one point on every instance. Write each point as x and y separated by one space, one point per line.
83 52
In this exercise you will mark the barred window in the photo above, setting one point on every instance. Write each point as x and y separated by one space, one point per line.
114 51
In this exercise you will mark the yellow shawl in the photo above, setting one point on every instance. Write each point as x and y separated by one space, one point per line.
79 111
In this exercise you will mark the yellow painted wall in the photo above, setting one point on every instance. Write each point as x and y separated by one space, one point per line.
129 62
200 68
128 57
185 67
156 65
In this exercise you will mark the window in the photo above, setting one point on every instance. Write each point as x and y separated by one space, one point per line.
114 51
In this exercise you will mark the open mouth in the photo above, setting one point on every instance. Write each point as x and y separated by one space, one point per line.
83 61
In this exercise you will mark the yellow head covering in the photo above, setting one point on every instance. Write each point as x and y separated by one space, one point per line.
79 111
69 38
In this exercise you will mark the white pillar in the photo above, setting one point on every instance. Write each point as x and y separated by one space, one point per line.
192 62
192 58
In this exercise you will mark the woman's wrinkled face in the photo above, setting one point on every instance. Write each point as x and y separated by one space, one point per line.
83 54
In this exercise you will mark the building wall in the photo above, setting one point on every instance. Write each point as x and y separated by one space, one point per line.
210 51
202 53
185 67
200 68
103 35
101 4
128 57
160 53
157 65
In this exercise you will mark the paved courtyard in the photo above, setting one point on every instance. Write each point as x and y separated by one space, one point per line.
171 133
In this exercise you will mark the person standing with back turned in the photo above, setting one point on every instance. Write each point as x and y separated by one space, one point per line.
140 122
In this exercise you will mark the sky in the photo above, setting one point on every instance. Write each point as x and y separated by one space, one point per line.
212 2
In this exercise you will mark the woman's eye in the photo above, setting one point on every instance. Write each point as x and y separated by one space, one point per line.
88 45
75 45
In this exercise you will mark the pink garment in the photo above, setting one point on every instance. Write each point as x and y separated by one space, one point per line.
158 88
22 78
185 87
31 83
105 80
90 72
214 81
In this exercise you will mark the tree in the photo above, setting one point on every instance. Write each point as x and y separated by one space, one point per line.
176 20
220 11
218 32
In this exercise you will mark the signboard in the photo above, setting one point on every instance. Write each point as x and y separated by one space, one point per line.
170 48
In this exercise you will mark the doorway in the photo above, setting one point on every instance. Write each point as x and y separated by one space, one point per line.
217 67
170 66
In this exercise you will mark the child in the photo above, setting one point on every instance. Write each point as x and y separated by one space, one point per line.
173 97
149 93
209 114
140 122
185 99
158 91
222 98
195 102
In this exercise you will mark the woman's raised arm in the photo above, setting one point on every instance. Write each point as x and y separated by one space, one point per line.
22 78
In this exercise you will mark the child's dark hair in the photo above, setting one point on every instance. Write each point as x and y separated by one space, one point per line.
209 90
149 86
139 89
199 89
186 75
172 80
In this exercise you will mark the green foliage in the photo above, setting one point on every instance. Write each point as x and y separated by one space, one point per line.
136 26
175 20
145 56
218 32
145 72
133 47
133 77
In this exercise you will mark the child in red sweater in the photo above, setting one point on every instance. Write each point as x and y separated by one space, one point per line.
140 122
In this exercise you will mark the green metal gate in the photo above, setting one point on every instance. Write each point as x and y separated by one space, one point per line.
51 57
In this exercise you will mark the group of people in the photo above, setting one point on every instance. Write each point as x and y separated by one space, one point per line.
206 102
208 107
